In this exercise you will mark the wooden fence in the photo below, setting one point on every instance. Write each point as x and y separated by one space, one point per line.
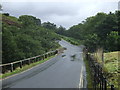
10 67
99 80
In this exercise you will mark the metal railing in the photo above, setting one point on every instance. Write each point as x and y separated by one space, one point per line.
99 80
10 67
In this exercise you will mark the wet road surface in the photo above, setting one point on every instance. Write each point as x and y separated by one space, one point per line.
66 70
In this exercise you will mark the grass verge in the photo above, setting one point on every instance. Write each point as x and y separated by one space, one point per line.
88 75
18 70
71 40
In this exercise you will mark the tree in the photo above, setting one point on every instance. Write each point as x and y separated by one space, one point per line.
61 30
29 20
10 50
92 42
97 31
50 26
112 43
6 14
31 39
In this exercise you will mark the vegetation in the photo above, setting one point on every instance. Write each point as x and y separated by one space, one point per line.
97 31
111 67
24 37
88 75
71 40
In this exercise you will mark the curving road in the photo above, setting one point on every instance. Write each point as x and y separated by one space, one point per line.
59 72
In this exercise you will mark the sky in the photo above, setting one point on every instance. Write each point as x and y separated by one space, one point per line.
61 12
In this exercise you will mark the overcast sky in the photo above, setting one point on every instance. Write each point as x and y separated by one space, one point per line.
65 13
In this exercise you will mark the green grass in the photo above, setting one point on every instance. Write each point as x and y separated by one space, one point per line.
88 75
111 67
18 70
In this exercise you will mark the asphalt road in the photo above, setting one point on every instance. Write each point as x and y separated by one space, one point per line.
62 71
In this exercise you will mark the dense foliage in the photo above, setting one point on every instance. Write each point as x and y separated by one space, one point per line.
24 37
97 31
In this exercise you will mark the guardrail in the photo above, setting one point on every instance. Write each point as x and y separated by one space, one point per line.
10 67
99 80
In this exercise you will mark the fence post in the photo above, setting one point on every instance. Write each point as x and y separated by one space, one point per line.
112 87
40 58
21 64
29 62
3 69
102 57
51 53
87 56
35 59
43 57
0 69
100 85
105 84
102 82
11 67
48 55
95 77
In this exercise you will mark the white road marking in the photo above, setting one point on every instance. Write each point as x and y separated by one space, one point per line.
81 78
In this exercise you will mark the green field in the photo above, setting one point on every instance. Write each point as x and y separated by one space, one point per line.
111 67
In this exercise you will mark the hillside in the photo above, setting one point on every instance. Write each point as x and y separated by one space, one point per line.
24 37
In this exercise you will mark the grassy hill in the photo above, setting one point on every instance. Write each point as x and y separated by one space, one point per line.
24 37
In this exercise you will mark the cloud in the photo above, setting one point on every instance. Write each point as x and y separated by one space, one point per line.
60 13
